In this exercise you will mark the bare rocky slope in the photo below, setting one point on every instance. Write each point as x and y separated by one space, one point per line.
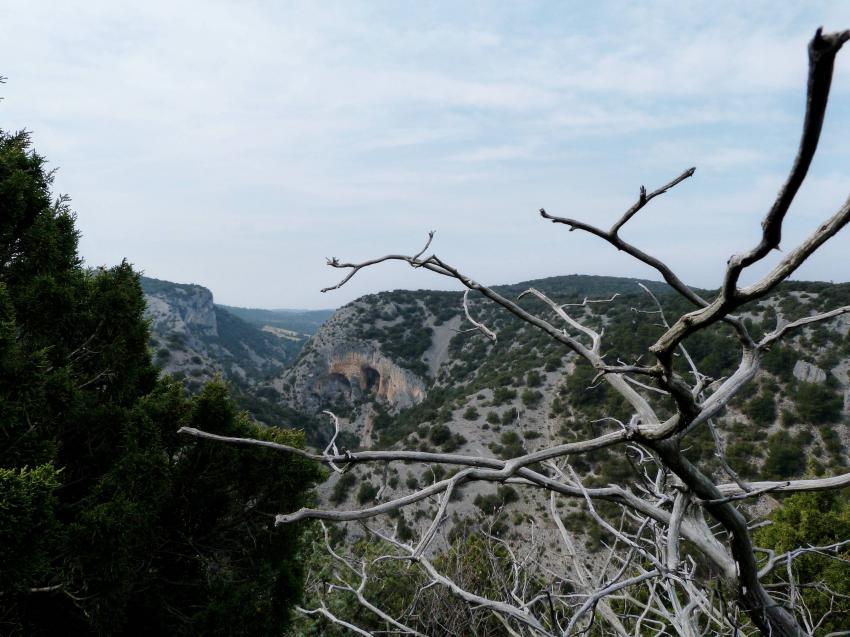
401 369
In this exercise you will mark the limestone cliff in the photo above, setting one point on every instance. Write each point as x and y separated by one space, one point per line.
195 339
183 309
336 368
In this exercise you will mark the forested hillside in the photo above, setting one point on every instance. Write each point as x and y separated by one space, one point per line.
293 323
402 370
406 370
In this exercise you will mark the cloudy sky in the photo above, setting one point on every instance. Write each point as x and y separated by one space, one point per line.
238 144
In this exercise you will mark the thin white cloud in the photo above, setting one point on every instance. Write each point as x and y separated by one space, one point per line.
229 142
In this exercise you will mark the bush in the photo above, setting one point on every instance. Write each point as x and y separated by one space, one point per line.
531 398
505 494
342 487
367 492
439 434
817 403
453 443
502 395
812 519
761 409
785 457
509 416
511 446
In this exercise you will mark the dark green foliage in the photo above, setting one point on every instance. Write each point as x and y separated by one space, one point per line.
453 443
405 338
780 361
471 413
509 416
743 445
817 403
815 519
112 522
27 503
761 409
785 456
832 442
439 434
244 344
505 494
366 492
531 398
511 446
502 395
533 378
411 482
342 487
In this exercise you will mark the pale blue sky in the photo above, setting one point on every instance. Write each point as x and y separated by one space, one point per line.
237 144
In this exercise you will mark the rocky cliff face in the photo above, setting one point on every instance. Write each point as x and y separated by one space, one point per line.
195 339
182 309
339 369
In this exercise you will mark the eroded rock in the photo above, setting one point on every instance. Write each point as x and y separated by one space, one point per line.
809 373
336 368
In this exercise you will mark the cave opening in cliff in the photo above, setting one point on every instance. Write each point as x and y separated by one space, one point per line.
370 378
339 384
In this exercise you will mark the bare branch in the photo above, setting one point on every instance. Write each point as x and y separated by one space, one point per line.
612 237
777 334
644 199
479 326
822 52
323 610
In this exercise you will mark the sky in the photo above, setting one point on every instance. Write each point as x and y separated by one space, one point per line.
238 144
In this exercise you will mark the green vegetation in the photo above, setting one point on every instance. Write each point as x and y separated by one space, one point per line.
818 403
112 522
342 487
367 492
472 561
761 409
786 457
302 321
398 324
814 519
244 345
505 494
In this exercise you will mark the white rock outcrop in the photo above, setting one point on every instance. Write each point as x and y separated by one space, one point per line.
809 373
183 309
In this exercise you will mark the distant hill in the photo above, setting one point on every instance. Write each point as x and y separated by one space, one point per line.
299 321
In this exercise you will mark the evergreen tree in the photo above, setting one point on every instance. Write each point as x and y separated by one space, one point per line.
111 523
